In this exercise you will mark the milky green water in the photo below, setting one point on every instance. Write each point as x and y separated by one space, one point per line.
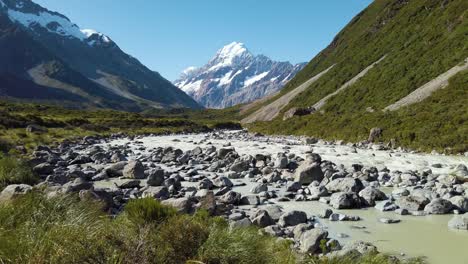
426 236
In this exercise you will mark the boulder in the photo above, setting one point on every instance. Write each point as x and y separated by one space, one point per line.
156 177
292 218
460 203
262 219
412 202
250 200
274 211
386 206
231 197
297 111
223 181
371 194
223 152
293 186
347 184
308 173
345 200
77 185
35 129
159 192
439 206
389 221
44 169
311 239
259 188
325 213
183 205
134 170
14 190
115 170
374 134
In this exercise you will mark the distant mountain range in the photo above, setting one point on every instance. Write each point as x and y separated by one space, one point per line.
234 75
44 57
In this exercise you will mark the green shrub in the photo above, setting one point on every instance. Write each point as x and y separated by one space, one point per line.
37 229
147 211
244 245
14 171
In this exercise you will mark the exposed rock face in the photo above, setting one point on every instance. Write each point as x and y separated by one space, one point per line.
375 134
297 112
235 76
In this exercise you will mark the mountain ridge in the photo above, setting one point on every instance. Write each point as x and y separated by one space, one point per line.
102 71
235 75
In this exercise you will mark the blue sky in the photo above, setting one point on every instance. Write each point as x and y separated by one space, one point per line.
170 35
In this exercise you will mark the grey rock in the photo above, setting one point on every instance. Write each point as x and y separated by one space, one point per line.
223 181
250 200
385 206
325 213
134 170
439 206
389 221
347 184
14 190
293 186
43 169
308 173
460 203
412 203
259 188
371 194
292 218
310 240
156 177
159 192
263 219
345 200
231 197
128 184
183 205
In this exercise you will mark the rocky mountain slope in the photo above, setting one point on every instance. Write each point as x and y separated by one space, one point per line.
234 76
45 57
406 53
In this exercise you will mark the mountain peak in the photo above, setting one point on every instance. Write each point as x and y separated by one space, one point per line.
229 55
234 75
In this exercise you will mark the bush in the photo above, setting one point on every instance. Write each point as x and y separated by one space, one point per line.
14 171
147 211
244 245
37 229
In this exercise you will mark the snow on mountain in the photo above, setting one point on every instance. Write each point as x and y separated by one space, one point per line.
31 15
234 76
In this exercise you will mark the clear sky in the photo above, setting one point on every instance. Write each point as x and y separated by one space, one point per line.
170 35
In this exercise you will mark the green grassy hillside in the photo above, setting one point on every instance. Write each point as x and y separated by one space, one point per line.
422 39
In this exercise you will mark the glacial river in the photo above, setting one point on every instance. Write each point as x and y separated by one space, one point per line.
426 236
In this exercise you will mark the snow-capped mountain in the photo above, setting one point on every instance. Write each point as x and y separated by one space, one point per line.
46 57
234 76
